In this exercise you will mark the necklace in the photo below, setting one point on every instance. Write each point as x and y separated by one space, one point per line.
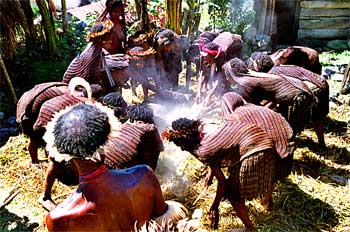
93 176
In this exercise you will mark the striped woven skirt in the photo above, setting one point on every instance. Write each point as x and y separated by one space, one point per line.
298 113
253 176
320 110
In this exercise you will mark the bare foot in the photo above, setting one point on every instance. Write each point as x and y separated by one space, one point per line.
267 202
47 203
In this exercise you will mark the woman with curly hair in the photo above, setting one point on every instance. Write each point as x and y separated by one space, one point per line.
317 84
246 149
233 108
288 96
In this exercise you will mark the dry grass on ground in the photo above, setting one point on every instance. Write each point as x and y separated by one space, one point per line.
315 197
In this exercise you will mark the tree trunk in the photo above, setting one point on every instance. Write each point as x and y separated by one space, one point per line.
64 16
29 28
48 27
8 80
191 19
173 15
142 13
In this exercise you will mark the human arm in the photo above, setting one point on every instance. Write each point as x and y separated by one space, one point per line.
214 209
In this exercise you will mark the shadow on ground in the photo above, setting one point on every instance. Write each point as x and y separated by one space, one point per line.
338 155
12 222
295 210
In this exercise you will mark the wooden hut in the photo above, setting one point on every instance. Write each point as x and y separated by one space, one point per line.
324 19
289 20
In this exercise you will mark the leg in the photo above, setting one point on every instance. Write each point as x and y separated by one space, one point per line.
319 129
33 151
188 75
208 178
220 192
267 198
133 84
242 212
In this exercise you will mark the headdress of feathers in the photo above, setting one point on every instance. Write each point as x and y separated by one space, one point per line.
182 128
80 131
100 31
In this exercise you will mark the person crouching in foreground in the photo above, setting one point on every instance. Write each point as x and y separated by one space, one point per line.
233 108
247 151
136 141
105 200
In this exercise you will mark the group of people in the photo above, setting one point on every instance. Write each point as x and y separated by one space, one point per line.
118 190
264 107
110 148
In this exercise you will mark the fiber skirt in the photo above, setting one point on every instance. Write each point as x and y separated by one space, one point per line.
321 108
298 113
253 176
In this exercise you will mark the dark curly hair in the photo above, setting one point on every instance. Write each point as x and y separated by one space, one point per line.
260 62
110 4
237 67
116 101
81 130
140 112
212 46
185 133
208 35
219 58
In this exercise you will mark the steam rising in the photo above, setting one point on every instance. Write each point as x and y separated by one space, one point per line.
178 170
165 112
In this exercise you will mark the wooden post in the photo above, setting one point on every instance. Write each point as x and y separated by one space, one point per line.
174 15
64 16
8 80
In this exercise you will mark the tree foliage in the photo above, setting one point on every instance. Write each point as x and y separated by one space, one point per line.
231 15
16 25
191 18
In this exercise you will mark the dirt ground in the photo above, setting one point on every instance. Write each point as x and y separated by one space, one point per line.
315 197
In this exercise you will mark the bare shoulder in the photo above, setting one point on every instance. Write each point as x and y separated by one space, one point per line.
74 206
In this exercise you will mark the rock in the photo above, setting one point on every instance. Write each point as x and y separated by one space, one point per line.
342 68
13 131
339 179
329 70
4 133
337 77
338 44
2 115
314 43
197 214
11 121
263 40
249 35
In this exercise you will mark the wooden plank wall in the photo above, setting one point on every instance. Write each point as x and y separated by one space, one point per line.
265 20
327 19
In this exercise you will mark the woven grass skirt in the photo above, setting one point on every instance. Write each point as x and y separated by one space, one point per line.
253 176
298 113
320 110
